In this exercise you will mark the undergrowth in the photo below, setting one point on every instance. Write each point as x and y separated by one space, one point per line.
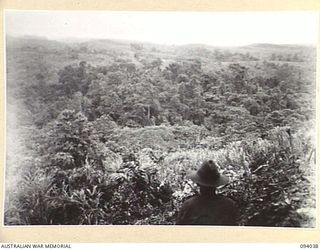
267 181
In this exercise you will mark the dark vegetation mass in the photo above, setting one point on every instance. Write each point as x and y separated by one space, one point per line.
103 132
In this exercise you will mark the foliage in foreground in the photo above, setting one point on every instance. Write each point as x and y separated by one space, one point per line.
267 182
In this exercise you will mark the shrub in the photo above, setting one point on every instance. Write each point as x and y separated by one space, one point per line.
268 183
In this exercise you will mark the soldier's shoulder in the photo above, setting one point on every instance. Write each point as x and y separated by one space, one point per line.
191 200
227 200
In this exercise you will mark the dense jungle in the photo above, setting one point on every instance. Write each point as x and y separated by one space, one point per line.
103 131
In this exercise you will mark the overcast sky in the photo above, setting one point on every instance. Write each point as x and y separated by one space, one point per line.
214 28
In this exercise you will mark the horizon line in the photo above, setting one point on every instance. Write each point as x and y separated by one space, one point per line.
82 39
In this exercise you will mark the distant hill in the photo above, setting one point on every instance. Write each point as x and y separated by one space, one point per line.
278 46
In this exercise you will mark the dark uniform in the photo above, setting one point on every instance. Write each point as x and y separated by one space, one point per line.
204 210
208 208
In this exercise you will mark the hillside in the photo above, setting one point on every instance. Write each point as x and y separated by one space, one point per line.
84 117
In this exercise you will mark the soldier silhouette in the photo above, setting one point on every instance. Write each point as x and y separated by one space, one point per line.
208 208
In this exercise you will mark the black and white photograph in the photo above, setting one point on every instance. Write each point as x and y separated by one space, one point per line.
160 118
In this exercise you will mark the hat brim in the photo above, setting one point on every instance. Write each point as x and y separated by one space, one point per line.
222 180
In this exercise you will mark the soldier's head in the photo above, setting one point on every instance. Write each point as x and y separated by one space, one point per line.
208 175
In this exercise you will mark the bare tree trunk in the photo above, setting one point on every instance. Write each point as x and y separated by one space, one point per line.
148 114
